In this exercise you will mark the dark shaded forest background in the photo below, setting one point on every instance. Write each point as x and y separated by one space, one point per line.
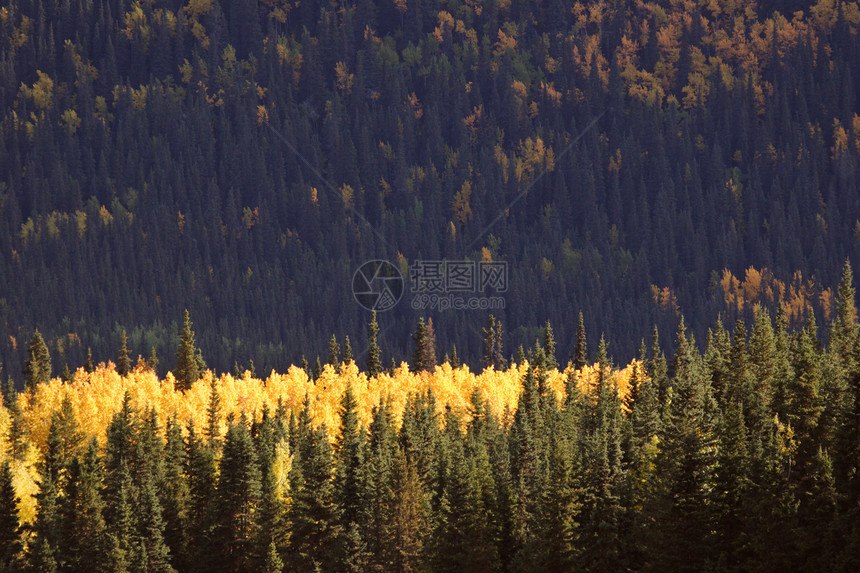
147 166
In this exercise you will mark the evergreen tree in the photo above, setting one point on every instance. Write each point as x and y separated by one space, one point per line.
10 543
333 352
85 537
123 362
37 368
273 564
200 472
187 367
424 356
89 367
374 360
175 495
349 450
238 501
493 347
409 514
455 360
313 514
549 347
843 329
580 355
684 467
347 351
152 361
213 414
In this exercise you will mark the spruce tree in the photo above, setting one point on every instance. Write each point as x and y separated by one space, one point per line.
684 467
313 514
347 351
200 472
238 501
213 414
419 355
843 329
409 514
89 367
374 360
10 544
274 563
152 361
175 495
37 367
187 367
580 355
123 362
350 459
85 535
333 352
549 347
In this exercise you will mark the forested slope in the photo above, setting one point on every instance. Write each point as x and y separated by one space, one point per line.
242 159
739 454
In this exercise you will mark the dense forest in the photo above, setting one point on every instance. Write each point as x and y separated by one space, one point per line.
743 455
242 158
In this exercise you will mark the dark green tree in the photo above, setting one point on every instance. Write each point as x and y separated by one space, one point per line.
37 368
10 541
333 352
374 356
580 354
187 369
238 502
549 346
424 356
123 362
88 363
347 351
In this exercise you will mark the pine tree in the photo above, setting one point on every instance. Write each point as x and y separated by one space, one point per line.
175 495
493 346
152 361
238 501
333 352
684 467
44 549
213 414
430 347
313 513
549 347
123 362
187 367
347 351
374 360
419 338
37 368
273 564
455 360
10 544
89 367
409 514
580 356
844 329
350 459
85 537
200 472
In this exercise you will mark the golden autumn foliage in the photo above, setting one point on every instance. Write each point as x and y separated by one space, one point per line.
761 287
97 396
